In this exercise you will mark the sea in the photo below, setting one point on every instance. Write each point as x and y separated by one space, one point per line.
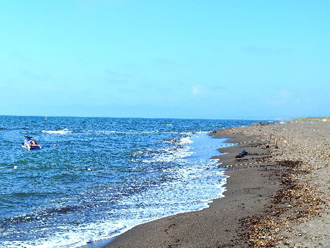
95 178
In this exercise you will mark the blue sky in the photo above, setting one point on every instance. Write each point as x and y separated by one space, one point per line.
178 59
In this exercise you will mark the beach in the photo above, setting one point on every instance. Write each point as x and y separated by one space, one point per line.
277 194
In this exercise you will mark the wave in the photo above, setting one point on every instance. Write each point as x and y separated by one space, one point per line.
112 132
185 140
107 132
178 151
61 132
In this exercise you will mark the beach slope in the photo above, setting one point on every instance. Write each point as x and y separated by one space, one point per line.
277 194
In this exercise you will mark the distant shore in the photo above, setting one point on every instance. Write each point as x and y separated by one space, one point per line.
277 194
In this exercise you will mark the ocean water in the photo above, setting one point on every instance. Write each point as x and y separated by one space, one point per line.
95 178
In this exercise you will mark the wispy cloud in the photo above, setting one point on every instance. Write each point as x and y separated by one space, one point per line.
198 90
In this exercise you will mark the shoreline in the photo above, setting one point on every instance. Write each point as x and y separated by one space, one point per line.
217 225
276 195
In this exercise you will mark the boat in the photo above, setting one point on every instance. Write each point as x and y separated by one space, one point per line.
30 144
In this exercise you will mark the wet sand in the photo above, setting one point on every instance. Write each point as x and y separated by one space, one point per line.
276 195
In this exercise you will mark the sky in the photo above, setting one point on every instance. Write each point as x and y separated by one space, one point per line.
205 59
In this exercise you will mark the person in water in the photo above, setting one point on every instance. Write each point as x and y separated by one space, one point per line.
30 141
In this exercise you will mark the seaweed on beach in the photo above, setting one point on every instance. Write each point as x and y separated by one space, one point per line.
295 202
262 231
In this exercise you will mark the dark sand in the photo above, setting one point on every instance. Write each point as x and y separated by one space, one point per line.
249 190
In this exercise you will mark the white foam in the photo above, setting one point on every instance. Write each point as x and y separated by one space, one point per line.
108 132
61 132
168 155
69 237
186 140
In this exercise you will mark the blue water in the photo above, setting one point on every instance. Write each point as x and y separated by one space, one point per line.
94 178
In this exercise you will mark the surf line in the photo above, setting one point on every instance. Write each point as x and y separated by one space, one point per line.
4 168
